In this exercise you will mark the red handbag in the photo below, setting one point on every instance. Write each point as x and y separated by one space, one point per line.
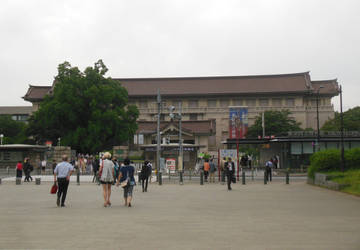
54 189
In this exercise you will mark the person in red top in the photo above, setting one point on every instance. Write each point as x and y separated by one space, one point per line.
206 169
19 168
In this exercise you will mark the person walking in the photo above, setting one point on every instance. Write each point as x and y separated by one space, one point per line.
212 170
28 168
96 166
268 170
127 173
19 169
206 169
116 169
62 172
145 174
229 171
107 177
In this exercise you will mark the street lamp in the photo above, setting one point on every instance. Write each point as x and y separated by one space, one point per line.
342 164
317 118
178 117
1 138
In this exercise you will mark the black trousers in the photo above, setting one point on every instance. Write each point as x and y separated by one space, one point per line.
268 174
144 184
27 176
63 187
206 174
229 178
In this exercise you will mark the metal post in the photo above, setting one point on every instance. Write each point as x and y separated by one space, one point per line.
287 176
181 178
160 178
265 177
342 164
317 119
263 124
181 153
158 148
201 177
78 176
243 177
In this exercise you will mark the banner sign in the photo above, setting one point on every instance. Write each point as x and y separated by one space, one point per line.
238 122
171 165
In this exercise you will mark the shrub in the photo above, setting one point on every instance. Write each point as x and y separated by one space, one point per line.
324 161
352 158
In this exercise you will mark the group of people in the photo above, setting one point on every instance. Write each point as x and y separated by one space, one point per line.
26 167
108 173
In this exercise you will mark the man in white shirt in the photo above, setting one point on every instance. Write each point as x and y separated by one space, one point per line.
63 172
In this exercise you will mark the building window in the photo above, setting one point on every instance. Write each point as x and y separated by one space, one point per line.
277 102
237 102
290 102
211 103
313 102
212 142
162 117
224 103
175 103
193 103
193 117
264 102
143 104
251 102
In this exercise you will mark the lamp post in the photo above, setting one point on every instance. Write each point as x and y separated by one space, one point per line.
342 164
317 118
1 138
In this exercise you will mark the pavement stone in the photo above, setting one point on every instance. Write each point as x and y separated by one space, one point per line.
172 216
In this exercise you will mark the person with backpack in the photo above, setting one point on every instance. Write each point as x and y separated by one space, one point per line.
145 174
127 174
212 170
229 171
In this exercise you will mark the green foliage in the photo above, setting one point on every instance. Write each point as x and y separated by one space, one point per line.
351 121
351 178
86 110
276 123
13 131
329 160
324 161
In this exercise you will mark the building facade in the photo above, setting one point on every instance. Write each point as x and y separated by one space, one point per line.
209 98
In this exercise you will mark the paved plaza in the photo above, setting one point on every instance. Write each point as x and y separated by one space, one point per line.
172 216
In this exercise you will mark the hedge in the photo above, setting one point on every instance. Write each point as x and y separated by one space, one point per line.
329 160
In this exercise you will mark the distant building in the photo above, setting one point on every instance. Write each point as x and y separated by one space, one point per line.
17 113
207 100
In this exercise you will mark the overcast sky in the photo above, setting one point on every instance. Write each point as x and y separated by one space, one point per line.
159 38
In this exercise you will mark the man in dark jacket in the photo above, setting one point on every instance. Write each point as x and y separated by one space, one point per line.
27 170
145 174
229 171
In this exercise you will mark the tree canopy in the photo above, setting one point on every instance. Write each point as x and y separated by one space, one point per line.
351 121
13 131
86 110
276 123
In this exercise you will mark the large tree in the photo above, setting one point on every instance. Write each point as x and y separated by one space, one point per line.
86 110
351 121
276 123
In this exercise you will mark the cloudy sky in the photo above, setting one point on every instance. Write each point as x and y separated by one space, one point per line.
159 38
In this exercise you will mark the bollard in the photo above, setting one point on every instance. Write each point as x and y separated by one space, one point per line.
243 177
160 178
78 177
181 178
287 177
37 181
18 181
265 178
201 177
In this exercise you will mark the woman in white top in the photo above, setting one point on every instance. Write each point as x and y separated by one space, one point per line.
107 177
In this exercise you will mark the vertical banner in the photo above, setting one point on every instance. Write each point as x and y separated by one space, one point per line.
238 122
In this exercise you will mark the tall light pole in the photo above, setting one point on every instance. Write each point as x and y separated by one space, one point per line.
158 147
317 118
342 164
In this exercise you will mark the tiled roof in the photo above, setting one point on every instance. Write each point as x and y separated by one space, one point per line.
15 110
220 85
195 127
330 87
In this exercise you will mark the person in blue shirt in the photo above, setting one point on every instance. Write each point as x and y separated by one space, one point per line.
127 173
63 171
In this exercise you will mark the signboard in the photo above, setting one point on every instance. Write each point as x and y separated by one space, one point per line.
228 153
170 165
238 122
